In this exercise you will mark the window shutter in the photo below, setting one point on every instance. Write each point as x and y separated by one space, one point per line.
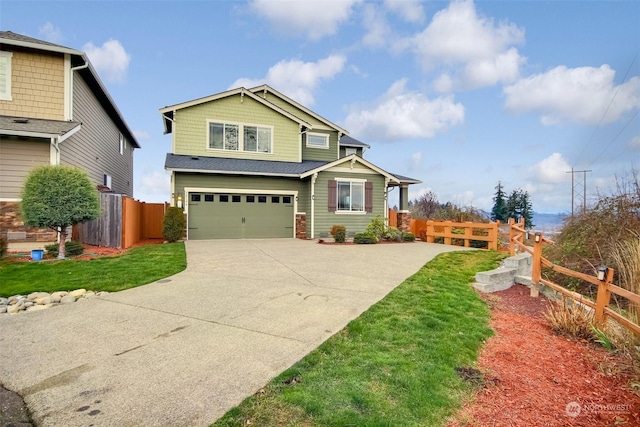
333 194
368 196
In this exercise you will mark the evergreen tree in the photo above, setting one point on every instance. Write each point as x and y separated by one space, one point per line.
519 206
499 211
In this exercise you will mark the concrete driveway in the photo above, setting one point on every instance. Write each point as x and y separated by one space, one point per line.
186 349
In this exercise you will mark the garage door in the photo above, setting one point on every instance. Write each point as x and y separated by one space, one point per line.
240 216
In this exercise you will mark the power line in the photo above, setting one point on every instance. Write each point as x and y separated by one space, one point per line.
584 147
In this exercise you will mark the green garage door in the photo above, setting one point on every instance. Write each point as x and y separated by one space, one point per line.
239 216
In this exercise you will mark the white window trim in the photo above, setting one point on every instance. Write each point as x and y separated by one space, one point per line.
121 143
240 137
7 84
364 196
352 149
324 135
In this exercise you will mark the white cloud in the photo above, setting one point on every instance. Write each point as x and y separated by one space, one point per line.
578 95
401 114
634 143
476 49
552 170
51 33
377 27
110 59
298 79
409 10
156 184
312 18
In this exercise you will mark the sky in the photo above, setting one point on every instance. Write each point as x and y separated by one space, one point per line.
461 95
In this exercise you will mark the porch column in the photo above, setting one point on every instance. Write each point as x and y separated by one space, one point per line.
404 216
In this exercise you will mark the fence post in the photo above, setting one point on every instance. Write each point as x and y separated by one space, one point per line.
447 232
536 268
512 233
604 294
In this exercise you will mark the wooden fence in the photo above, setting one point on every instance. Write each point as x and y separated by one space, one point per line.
603 280
122 223
456 232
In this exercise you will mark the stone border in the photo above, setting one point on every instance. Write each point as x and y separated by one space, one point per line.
42 300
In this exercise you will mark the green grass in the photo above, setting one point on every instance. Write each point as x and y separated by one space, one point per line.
392 366
138 266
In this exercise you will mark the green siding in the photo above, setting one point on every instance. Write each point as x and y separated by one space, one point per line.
354 222
324 154
191 128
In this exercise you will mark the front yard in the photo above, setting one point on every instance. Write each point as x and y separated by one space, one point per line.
138 266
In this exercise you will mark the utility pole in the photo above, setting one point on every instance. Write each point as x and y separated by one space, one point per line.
573 189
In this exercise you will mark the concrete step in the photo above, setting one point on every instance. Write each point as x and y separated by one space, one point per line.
521 262
495 280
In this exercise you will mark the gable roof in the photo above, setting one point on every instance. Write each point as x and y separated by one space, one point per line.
266 88
78 59
351 158
168 111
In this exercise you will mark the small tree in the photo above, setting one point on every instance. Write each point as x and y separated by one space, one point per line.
58 197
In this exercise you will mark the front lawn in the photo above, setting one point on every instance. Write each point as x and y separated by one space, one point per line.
138 266
395 365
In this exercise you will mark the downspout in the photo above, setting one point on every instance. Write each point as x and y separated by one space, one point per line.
56 159
313 204
386 201
79 67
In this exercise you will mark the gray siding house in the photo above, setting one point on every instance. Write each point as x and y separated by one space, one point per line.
55 110
253 163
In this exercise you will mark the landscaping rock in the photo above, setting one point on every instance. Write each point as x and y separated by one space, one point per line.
36 301
78 293
67 299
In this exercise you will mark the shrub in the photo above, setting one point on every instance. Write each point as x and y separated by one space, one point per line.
392 234
571 319
365 238
173 224
71 248
408 236
3 246
339 233
376 227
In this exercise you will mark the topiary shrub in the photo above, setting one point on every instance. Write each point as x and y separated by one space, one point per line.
71 248
408 236
173 224
339 233
365 238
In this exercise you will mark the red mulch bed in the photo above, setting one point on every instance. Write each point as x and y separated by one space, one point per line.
537 378
90 252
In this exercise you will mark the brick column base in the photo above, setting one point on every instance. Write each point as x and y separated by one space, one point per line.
404 221
12 227
301 226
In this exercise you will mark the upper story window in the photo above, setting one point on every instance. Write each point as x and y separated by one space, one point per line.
350 150
5 76
240 137
317 140
123 144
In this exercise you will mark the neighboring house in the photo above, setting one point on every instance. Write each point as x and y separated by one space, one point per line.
253 163
54 110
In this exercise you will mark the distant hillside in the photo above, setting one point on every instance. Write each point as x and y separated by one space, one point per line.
544 222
